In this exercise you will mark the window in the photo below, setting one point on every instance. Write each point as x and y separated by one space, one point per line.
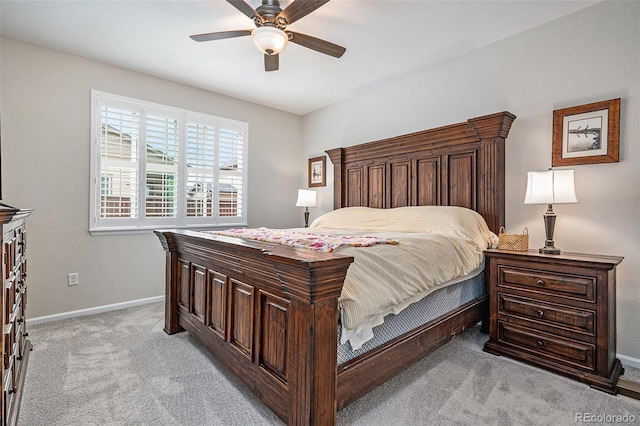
155 166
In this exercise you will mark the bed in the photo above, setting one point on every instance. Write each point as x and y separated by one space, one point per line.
270 312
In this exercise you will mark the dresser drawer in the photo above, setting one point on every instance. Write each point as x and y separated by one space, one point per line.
572 286
546 345
555 315
9 388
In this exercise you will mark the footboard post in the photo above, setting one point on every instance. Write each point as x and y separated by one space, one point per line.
314 293
171 325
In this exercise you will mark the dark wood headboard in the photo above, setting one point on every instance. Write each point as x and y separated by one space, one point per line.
457 165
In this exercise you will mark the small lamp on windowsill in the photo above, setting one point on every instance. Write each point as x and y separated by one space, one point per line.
550 187
306 199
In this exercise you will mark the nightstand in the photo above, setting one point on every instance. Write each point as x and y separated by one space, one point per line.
556 312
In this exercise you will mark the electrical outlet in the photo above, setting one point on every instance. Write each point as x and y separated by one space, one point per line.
72 279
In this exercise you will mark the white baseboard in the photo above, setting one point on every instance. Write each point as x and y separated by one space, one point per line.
629 360
96 310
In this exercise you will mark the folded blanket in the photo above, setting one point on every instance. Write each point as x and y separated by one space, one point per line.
319 242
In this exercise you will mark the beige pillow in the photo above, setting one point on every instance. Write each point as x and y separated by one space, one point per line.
450 221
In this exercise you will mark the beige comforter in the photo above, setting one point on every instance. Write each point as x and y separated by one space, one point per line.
386 278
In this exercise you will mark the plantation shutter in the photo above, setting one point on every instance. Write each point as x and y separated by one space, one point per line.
231 171
153 165
161 137
119 138
200 170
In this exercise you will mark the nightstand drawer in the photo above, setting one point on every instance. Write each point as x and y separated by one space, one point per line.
572 286
549 313
549 346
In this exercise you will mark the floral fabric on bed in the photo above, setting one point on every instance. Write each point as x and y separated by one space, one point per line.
319 242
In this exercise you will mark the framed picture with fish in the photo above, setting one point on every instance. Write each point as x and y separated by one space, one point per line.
586 134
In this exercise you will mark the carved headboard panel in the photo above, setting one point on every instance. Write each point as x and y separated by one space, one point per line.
457 165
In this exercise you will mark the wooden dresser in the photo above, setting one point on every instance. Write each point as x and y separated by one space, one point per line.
557 312
15 346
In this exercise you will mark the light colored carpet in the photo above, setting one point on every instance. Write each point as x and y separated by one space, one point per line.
120 368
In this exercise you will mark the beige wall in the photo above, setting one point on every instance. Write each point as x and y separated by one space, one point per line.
45 104
589 56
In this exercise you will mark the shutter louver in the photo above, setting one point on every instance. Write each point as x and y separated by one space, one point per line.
119 136
162 135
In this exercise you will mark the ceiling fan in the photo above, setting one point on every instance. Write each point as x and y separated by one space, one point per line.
271 35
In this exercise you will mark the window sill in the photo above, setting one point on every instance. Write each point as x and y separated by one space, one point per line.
124 230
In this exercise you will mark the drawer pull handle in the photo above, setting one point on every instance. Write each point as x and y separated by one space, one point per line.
540 312
540 283
540 344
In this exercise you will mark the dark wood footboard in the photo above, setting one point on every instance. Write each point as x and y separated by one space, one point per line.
268 313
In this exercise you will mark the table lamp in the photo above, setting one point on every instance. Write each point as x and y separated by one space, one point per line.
550 187
306 199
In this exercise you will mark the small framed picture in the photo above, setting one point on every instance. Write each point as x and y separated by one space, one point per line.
586 134
317 167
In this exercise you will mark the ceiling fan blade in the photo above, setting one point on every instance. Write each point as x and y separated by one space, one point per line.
299 9
316 44
271 62
220 35
243 7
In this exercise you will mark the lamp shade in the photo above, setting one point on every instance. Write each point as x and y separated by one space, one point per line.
306 198
270 40
550 187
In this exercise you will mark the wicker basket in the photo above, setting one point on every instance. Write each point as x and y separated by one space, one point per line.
517 242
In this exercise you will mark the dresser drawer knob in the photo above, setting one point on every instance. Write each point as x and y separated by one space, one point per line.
540 283
540 312
540 344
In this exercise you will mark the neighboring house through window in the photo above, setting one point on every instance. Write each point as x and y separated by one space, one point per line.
154 166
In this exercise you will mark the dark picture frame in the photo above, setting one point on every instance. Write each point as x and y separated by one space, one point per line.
317 171
586 134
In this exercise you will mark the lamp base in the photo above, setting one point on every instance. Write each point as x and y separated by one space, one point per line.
549 250
306 217
549 224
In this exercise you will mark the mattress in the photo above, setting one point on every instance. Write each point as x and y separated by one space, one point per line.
436 304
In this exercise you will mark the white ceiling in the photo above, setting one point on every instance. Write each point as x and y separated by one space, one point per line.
383 39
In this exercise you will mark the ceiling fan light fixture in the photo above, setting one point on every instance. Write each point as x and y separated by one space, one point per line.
269 40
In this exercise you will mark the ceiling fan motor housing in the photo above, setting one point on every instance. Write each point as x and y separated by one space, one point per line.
268 15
